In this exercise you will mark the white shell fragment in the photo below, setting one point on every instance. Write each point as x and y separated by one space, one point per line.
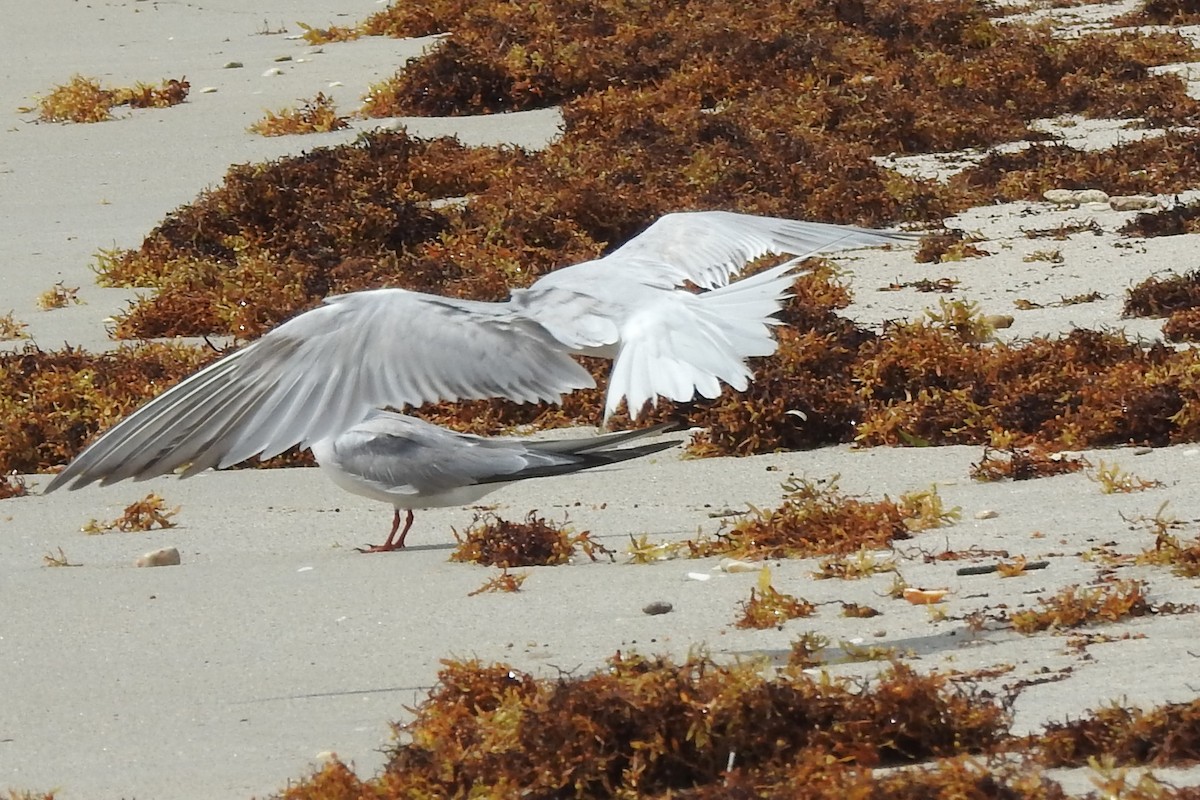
272 71
987 513
734 565
163 557
699 576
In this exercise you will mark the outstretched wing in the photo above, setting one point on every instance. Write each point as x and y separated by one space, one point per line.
707 248
323 371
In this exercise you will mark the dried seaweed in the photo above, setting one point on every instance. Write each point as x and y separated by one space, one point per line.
11 328
492 541
1179 219
647 726
1183 557
815 519
1167 163
1024 463
58 559
952 245
1073 607
504 582
85 100
1183 326
58 296
1114 480
317 115
1159 297
1163 735
770 608
12 486
141 515
1161 12
973 78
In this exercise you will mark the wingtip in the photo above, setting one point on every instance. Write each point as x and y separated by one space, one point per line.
58 481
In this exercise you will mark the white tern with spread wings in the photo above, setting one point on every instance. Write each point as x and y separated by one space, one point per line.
325 370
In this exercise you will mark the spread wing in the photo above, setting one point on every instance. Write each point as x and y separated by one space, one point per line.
707 248
323 371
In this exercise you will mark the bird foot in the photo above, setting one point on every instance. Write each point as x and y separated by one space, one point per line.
393 541
379 548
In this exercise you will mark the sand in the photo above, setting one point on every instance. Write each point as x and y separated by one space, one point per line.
274 643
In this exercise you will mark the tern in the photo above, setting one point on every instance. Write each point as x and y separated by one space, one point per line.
327 369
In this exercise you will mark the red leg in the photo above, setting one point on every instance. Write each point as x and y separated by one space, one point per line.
407 525
391 545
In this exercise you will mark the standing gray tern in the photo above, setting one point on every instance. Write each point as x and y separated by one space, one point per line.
413 464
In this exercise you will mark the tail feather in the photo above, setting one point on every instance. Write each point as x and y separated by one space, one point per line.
689 344
586 459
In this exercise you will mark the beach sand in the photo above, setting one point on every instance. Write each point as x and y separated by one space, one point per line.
274 643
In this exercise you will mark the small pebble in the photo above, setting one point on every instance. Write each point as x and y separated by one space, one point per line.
999 320
165 557
986 513
1132 203
279 59
734 565
272 71
879 634
1143 451
699 576
658 607
208 90
233 65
